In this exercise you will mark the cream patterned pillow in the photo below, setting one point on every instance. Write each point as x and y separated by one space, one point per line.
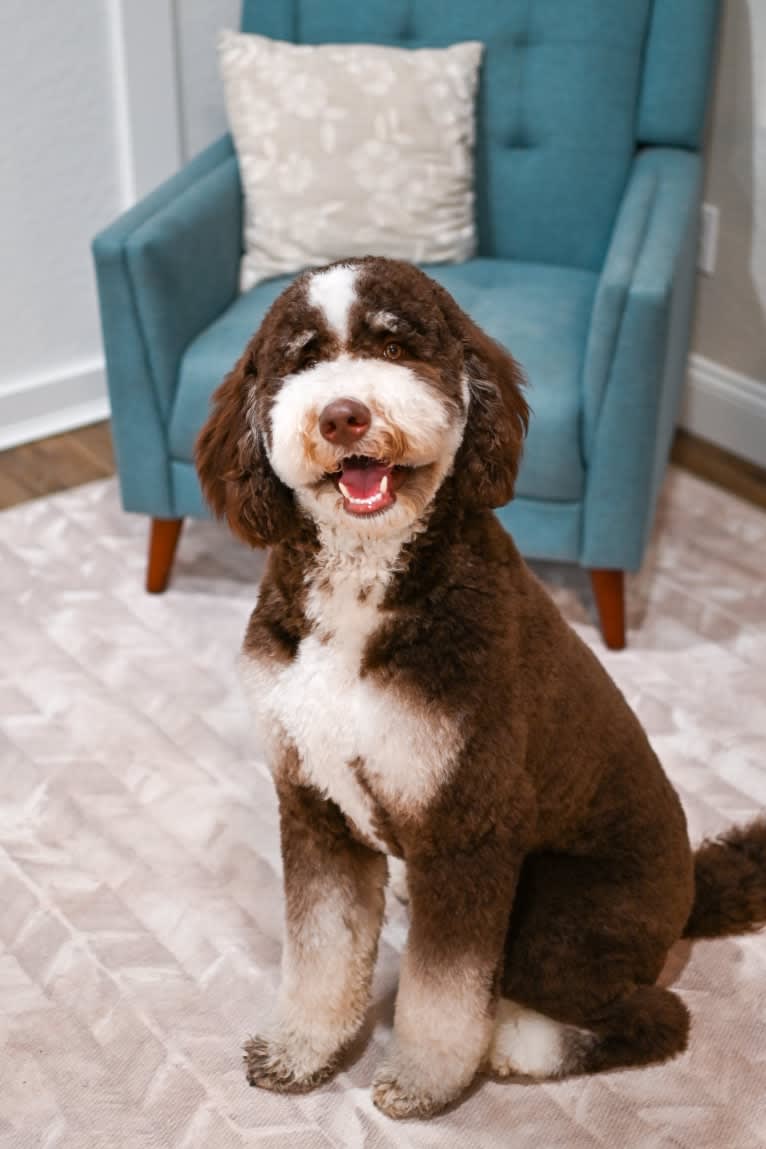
351 149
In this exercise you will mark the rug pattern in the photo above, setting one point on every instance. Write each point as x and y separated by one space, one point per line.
140 897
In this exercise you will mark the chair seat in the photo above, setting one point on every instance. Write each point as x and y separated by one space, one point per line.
541 313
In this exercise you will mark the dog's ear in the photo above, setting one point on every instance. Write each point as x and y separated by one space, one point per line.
498 416
237 478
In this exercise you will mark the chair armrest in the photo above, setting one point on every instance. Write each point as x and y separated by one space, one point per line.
165 270
635 361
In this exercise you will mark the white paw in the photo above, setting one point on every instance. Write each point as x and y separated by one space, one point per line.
271 1064
400 1090
293 1057
525 1043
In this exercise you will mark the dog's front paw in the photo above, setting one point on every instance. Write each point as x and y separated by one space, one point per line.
285 1065
399 1090
399 1098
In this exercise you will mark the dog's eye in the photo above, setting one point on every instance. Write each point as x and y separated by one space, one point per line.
309 361
392 351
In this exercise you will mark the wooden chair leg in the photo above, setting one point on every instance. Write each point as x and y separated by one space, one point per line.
163 540
609 593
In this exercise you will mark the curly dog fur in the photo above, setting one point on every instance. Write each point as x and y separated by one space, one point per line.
421 697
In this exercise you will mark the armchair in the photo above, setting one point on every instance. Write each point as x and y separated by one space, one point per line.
588 180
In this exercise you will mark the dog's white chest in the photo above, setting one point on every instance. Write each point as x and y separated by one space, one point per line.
341 723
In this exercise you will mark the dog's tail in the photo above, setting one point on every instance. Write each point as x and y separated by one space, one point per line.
730 883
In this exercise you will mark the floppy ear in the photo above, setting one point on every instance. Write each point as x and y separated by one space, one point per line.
498 416
237 479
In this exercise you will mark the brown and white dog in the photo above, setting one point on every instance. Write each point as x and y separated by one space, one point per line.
422 698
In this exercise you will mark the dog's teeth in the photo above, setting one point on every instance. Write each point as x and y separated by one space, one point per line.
371 501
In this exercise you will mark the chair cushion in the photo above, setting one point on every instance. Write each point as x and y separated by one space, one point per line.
540 313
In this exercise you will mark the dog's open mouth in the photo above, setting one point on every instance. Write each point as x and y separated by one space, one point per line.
368 485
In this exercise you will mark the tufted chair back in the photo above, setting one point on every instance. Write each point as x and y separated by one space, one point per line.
569 90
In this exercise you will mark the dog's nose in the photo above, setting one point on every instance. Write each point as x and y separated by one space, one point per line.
344 421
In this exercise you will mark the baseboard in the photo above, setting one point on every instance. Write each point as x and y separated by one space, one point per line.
52 404
727 408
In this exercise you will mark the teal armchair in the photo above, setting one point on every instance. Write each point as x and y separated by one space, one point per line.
588 178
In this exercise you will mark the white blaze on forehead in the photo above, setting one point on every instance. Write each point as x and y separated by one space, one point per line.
333 292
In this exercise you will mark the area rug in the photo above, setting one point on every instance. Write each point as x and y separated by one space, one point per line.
140 897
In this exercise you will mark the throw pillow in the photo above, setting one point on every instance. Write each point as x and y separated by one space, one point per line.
351 149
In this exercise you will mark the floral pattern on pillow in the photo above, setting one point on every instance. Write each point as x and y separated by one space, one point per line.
351 149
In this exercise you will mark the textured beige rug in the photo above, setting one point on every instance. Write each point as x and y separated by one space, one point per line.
140 900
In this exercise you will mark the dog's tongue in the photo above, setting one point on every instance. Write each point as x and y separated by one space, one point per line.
362 477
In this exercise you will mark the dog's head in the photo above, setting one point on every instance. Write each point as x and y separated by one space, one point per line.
365 388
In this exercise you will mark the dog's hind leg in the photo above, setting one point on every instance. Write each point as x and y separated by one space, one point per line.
650 1024
584 949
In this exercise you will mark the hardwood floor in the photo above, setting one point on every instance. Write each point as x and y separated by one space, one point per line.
55 464
80 456
718 466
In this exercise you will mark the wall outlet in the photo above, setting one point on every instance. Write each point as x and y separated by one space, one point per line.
708 240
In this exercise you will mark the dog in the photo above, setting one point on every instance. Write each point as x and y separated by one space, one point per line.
420 697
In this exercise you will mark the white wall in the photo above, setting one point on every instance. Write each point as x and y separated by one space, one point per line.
198 22
59 179
726 397
87 123
731 313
